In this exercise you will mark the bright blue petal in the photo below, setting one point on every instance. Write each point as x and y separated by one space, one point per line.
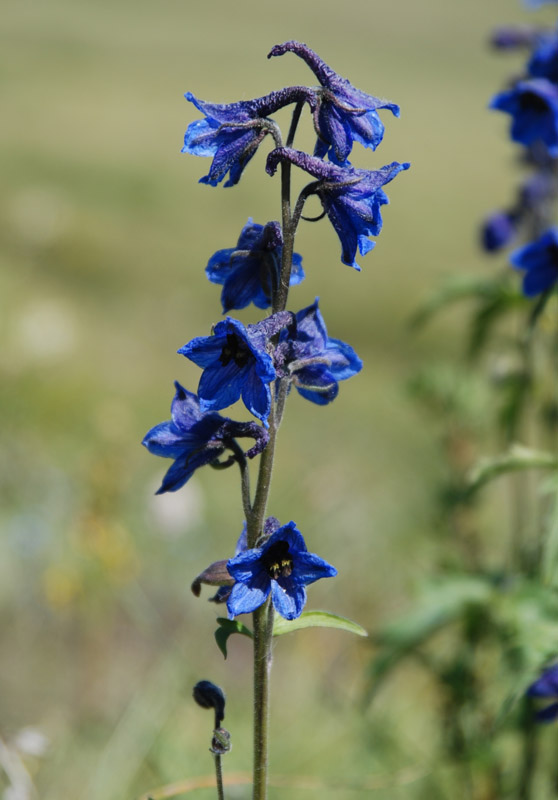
288 600
308 567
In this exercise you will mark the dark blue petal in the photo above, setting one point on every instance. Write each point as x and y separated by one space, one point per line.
317 384
548 714
546 685
203 350
221 386
288 533
164 440
288 599
308 567
256 396
244 598
343 361
185 466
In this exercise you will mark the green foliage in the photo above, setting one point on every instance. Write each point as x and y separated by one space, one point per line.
226 628
517 458
316 619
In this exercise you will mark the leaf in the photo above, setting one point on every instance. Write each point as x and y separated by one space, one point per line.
316 619
226 628
517 458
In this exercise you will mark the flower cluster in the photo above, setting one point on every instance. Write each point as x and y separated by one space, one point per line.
532 103
259 363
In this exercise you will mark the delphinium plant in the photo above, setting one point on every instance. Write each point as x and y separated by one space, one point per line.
486 626
269 566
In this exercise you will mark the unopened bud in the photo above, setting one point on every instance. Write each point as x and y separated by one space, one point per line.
208 695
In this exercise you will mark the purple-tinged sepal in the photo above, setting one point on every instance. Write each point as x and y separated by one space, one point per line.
236 364
533 106
540 261
194 438
350 197
546 687
231 133
344 114
313 361
249 272
498 231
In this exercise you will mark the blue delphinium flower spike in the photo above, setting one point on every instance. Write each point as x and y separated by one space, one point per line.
231 133
540 260
249 272
350 197
313 360
235 363
343 114
533 105
194 438
283 567
546 687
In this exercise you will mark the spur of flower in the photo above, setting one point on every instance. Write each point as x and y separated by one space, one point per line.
312 360
540 260
282 567
249 272
236 364
533 106
546 687
350 197
343 114
231 133
194 438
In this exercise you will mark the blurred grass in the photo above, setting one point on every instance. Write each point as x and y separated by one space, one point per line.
104 236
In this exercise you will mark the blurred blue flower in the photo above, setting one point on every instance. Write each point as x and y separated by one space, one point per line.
283 567
350 197
533 105
544 59
546 687
540 260
537 3
235 363
231 133
343 114
194 438
249 272
497 231
312 360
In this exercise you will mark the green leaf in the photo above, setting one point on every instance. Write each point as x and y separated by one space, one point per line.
316 619
226 628
517 458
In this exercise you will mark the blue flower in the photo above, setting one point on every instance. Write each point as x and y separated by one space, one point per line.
350 197
546 687
544 60
540 260
194 438
231 133
533 105
249 272
343 114
312 360
235 363
498 230
283 567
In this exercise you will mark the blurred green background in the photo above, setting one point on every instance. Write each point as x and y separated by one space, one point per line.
104 236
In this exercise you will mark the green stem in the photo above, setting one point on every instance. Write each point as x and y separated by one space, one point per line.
263 632
219 777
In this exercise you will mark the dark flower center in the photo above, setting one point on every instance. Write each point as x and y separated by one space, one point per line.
277 560
529 101
234 350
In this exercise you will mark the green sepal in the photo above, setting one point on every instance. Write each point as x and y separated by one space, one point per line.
316 619
516 458
226 628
